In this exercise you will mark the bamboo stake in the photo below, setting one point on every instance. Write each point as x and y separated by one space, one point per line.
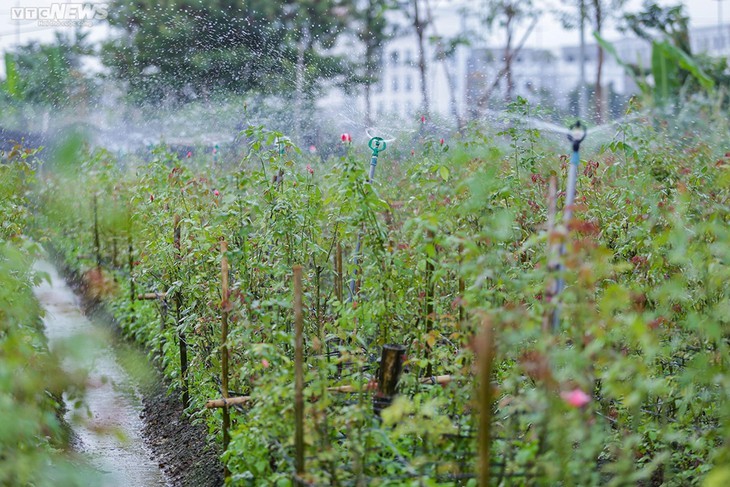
151 296
97 244
429 305
224 347
298 372
226 402
178 316
130 264
485 359
114 251
551 290
338 272
437 379
462 284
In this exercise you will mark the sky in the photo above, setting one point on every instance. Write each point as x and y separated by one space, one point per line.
547 34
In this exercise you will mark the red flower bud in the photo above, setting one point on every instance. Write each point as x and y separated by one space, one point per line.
346 138
216 193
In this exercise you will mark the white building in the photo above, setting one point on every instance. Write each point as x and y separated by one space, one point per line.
545 76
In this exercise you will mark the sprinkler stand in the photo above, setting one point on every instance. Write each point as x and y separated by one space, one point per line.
577 134
376 145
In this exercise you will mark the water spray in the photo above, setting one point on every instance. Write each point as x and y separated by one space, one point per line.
376 145
577 134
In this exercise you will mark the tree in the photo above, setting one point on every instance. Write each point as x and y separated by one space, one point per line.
415 12
675 72
445 51
510 15
371 28
186 49
49 75
598 12
671 23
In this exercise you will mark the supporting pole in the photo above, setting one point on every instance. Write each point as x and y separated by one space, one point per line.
462 285
224 348
97 244
553 256
430 287
338 272
485 359
130 264
178 316
298 373
576 136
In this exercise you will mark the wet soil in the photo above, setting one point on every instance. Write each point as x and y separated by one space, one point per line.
138 434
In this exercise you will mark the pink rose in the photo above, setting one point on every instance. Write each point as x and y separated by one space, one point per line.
576 398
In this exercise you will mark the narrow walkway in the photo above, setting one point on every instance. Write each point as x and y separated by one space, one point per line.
111 436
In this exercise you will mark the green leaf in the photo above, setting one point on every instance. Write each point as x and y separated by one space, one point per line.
684 61
444 173
12 84
666 75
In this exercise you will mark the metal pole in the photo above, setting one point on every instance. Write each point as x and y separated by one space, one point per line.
376 144
298 374
576 136
582 91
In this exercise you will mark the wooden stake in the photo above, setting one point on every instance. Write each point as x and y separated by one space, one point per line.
227 402
437 379
130 264
150 296
97 244
178 316
462 285
298 372
224 346
485 359
550 316
429 304
338 272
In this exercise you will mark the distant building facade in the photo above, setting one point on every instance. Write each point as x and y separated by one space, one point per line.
458 84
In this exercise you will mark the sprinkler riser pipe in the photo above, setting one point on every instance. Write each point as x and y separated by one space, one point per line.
373 164
570 192
576 137
376 144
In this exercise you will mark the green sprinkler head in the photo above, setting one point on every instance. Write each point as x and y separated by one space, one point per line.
377 145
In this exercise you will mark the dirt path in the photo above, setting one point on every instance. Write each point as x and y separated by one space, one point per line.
111 437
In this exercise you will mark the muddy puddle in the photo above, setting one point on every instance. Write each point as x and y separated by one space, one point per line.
108 427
